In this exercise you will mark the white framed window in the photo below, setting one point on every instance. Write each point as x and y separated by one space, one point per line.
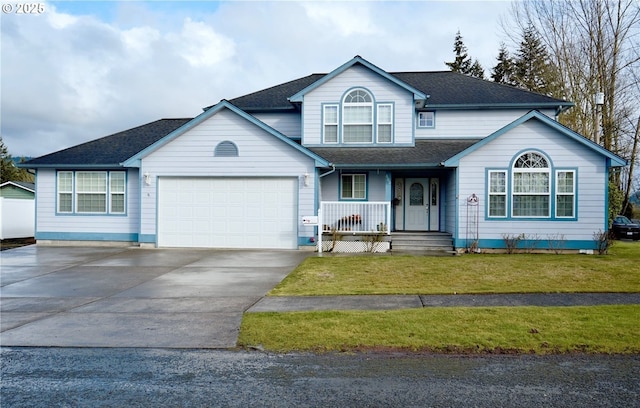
91 192
531 186
565 194
330 119
357 117
353 187
385 123
65 191
426 119
497 193
116 191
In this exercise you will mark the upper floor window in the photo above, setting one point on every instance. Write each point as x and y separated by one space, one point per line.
426 119
330 121
385 123
357 117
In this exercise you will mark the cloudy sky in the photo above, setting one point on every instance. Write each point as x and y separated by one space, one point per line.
86 69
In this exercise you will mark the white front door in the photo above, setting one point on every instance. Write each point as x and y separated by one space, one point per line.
416 209
421 204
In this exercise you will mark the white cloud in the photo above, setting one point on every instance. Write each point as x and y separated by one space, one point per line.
345 18
69 78
201 46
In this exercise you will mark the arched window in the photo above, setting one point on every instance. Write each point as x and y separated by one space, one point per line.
357 115
531 186
226 149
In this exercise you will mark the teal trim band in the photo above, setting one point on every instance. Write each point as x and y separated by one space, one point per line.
147 239
86 236
542 244
306 241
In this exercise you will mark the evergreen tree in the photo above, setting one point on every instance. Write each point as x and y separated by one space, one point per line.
502 72
462 62
533 69
476 70
8 171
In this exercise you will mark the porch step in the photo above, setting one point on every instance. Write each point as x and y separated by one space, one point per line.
430 242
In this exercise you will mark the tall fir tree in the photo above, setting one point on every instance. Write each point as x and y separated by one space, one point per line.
462 62
502 72
533 69
476 70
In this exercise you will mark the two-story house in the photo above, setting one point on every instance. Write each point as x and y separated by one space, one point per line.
369 151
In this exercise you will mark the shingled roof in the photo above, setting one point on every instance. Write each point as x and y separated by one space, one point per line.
448 90
445 89
110 150
426 153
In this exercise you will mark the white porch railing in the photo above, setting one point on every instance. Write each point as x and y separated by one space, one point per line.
367 217
361 217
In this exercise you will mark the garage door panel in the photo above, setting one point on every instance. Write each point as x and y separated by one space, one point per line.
227 212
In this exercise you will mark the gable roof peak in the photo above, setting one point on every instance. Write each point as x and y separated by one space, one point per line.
417 94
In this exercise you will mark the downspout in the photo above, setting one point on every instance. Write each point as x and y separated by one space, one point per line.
320 221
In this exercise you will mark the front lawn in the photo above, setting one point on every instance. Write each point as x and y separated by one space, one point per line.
592 329
540 330
517 273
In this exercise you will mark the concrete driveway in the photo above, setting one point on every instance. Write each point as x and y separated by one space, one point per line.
133 297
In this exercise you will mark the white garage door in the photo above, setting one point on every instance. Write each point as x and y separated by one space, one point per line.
227 212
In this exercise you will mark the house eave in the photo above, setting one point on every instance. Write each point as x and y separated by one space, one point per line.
382 166
501 106
71 166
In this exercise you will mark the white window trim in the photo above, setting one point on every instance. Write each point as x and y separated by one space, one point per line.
433 120
531 170
60 192
379 122
325 123
572 194
353 176
370 123
75 193
504 193
113 193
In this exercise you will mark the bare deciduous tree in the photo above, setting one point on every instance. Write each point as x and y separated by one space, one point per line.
595 46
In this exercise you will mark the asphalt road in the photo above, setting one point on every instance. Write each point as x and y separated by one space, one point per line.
70 377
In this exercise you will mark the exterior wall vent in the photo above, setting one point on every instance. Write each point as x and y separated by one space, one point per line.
226 149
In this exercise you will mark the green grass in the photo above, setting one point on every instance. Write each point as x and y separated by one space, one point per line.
540 330
481 273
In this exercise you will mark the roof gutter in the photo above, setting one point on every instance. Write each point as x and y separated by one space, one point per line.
333 168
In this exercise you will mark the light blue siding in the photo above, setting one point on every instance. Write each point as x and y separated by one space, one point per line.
76 226
260 154
288 124
456 124
383 91
564 153
376 185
